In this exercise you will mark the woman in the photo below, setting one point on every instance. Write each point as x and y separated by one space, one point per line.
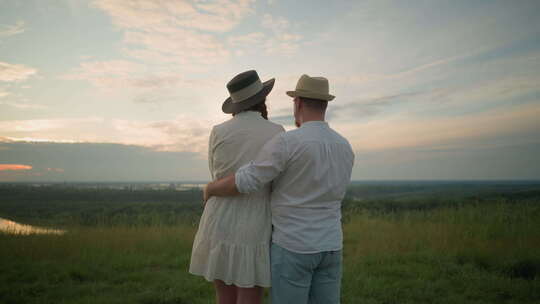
231 247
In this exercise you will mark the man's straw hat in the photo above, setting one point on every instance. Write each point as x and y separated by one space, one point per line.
312 87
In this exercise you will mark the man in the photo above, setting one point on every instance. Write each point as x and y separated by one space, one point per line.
310 169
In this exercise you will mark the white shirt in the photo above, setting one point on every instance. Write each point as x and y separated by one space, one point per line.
310 168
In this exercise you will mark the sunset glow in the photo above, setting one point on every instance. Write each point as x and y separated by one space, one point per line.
14 167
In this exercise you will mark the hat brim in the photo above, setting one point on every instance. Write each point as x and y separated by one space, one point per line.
230 107
312 95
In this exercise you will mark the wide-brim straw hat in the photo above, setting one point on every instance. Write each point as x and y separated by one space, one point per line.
312 87
246 90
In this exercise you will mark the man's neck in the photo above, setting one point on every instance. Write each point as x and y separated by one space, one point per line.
312 117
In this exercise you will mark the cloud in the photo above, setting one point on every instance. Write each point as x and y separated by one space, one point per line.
107 74
516 162
429 65
156 15
182 134
368 107
124 79
279 41
57 170
179 34
443 51
450 101
280 46
148 99
99 162
10 30
35 140
171 46
185 48
22 106
247 40
404 131
275 23
156 81
163 42
282 40
408 73
452 87
15 72
494 55
111 67
33 125
484 95
3 93
14 167
141 85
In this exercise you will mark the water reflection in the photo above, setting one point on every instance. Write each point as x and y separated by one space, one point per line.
16 228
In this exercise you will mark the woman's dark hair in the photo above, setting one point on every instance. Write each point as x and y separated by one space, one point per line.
259 107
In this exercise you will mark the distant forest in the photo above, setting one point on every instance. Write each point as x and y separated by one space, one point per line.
61 205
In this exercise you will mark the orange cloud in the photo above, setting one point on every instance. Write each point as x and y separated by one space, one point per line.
14 167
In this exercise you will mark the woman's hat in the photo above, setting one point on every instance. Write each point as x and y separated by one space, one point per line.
312 87
246 90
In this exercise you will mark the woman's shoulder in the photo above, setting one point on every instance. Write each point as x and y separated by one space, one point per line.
275 126
233 128
222 126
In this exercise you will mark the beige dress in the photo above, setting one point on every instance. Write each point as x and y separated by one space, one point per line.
232 242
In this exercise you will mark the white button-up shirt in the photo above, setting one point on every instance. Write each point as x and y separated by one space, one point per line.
310 168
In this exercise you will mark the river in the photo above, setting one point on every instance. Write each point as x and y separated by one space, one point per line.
17 228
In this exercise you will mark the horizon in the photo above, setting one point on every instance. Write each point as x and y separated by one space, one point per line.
114 90
195 182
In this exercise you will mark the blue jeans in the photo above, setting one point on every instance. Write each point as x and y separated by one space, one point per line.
298 278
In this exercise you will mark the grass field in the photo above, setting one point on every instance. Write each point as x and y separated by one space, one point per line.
478 252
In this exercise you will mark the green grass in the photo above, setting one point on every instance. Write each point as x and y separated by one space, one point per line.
480 253
101 265
474 254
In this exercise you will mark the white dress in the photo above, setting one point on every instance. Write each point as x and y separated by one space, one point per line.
232 242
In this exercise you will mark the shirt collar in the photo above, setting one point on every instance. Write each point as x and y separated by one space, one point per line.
315 123
250 114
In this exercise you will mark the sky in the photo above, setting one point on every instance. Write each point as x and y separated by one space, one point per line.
118 90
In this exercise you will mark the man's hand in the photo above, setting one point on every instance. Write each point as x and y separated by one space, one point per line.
222 187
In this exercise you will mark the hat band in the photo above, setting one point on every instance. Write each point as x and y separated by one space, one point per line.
247 92
311 92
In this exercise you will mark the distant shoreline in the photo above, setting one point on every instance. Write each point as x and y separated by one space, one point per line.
397 181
